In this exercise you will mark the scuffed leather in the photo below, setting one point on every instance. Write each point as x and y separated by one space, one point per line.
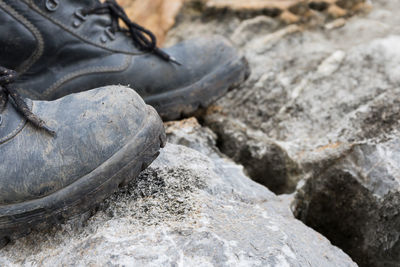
17 43
75 60
91 30
91 127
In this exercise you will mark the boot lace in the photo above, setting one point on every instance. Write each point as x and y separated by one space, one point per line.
143 38
7 91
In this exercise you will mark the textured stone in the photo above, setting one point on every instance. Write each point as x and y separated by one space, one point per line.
288 11
362 189
191 134
160 15
184 210
320 113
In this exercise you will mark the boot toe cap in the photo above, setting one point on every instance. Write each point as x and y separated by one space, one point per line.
91 128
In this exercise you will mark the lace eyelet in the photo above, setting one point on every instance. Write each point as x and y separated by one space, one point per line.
110 34
52 5
103 39
81 18
76 24
79 14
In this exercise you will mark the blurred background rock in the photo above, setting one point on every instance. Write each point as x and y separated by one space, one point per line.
159 15
156 15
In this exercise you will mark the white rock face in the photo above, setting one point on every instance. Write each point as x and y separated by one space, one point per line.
319 116
184 210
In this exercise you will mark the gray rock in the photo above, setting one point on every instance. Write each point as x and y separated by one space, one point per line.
190 133
317 99
362 189
185 210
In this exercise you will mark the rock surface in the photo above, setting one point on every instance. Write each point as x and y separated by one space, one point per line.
160 15
287 11
362 188
186 209
319 116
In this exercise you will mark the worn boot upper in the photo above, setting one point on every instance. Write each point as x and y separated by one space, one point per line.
90 128
63 47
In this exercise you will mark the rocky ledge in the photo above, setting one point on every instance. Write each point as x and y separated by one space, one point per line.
189 208
319 117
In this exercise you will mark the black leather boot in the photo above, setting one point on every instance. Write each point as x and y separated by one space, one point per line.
63 157
69 46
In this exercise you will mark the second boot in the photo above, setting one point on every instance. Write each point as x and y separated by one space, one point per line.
68 46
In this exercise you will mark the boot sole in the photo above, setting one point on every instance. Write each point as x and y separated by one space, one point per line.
17 220
184 102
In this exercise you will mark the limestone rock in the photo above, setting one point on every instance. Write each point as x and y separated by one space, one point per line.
184 210
190 133
319 116
287 11
362 189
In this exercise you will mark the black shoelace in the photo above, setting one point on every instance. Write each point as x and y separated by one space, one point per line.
7 77
143 38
